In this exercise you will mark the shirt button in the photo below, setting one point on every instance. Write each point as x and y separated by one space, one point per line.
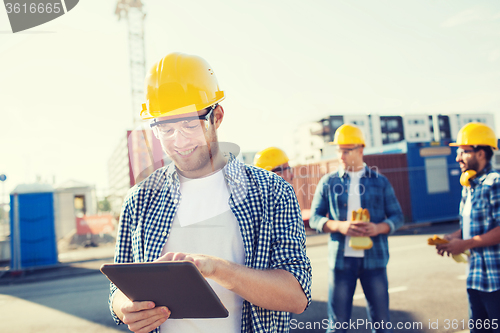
164 234
176 201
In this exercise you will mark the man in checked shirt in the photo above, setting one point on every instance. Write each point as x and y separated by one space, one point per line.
240 225
480 225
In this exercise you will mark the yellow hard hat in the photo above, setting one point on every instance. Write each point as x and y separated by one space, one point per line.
348 134
178 84
270 158
476 134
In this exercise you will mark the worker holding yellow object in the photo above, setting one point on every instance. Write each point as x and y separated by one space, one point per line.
479 230
358 246
461 257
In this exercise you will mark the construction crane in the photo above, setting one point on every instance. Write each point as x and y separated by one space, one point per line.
139 141
133 12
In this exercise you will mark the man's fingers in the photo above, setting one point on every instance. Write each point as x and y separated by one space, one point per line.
358 229
355 232
130 317
150 323
178 256
173 256
138 306
153 325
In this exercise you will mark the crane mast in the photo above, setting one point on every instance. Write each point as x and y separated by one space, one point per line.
133 12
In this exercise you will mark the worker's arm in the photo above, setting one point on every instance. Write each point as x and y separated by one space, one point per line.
374 229
347 228
457 246
320 209
393 212
272 289
141 317
454 235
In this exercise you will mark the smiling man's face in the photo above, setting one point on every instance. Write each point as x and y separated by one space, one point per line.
191 148
466 158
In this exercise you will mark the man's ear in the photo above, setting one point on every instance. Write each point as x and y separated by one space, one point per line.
218 116
481 154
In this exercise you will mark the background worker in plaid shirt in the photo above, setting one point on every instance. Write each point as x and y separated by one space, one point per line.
240 225
339 193
480 225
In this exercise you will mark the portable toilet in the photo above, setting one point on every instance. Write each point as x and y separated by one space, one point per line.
33 241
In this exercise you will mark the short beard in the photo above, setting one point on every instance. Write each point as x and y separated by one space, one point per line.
473 164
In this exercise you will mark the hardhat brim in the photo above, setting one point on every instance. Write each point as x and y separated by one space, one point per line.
454 144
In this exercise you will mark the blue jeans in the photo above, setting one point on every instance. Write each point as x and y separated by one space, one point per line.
484 308
342 284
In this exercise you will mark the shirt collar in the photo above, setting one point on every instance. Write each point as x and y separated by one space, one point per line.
343 172
481 175
233 170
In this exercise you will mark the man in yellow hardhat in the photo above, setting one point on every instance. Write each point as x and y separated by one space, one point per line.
352 255
208 208
479 224
275 160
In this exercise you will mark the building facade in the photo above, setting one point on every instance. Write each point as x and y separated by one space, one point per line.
380 130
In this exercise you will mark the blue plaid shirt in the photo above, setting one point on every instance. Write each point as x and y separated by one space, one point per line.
484 262
377 195
270 222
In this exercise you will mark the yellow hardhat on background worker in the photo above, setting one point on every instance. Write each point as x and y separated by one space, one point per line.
476 134
348 134
179 84
275 160
270 158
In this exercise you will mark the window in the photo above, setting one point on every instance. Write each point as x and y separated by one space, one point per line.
436 171
415 122
79 203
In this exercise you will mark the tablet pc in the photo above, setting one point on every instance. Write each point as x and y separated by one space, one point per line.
177 285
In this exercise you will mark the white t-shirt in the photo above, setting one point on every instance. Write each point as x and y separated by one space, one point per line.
353 203
205 224
466 216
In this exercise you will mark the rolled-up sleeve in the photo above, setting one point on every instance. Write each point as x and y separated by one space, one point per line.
288 251
123 246
393 211
320 205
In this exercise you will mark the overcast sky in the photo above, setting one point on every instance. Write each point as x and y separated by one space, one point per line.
65 89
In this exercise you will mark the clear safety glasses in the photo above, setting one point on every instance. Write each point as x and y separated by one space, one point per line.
281 169
346 151
461 151
188 126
